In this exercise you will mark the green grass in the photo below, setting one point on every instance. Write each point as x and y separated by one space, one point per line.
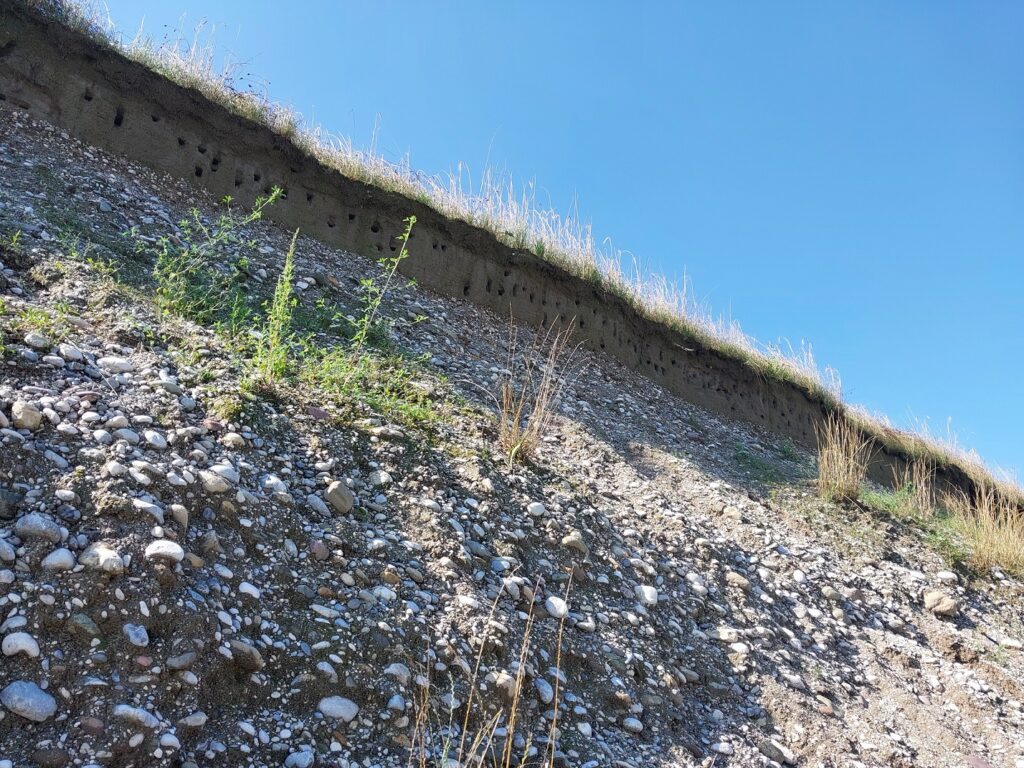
760 469
896 502
942 536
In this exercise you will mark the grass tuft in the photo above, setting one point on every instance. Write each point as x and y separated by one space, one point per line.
535 380
843 456
992 529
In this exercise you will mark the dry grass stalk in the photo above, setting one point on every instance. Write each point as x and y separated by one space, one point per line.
528 395
992 528
916 487
843 456
476 749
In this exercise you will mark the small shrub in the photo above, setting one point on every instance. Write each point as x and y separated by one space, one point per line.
191 281
528 394
992 528
843 456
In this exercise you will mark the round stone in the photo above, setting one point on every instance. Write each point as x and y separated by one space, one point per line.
20 642
37 526
338 708
165 549
632 725
28 700
101 557
557 607
136 634
61 559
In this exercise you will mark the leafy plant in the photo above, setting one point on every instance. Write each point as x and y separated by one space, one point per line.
271 357
190 279
374 290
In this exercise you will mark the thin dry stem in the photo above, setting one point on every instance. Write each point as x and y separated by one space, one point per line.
528 395
843 456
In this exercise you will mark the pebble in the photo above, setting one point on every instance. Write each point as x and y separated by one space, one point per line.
20 642
556 607
340 497
164 549
61 559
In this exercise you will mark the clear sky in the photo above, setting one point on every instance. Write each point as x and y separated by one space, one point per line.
851 174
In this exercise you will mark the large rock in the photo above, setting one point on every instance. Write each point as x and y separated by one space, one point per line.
246 656
26 416
99 556
28 700
165 549
940 603
20 642
61 559
37 526
340 497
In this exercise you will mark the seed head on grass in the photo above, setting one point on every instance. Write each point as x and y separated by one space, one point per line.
843 457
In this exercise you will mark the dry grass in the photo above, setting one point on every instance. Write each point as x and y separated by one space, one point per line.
917 483
843 456
486 738
516 217
528 393
992 528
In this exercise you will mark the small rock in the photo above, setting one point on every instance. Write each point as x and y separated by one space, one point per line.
646 595
557 607
61 559
136 634
101 557
632 725
20 642
37 526
338 708
165 549
26 416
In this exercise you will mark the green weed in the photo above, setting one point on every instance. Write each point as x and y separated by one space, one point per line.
271 356
191 281
374 290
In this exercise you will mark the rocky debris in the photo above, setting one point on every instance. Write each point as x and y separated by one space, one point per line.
263 581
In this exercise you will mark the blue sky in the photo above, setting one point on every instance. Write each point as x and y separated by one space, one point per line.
847 174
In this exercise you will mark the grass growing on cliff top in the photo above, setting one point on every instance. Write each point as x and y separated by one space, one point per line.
512 214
